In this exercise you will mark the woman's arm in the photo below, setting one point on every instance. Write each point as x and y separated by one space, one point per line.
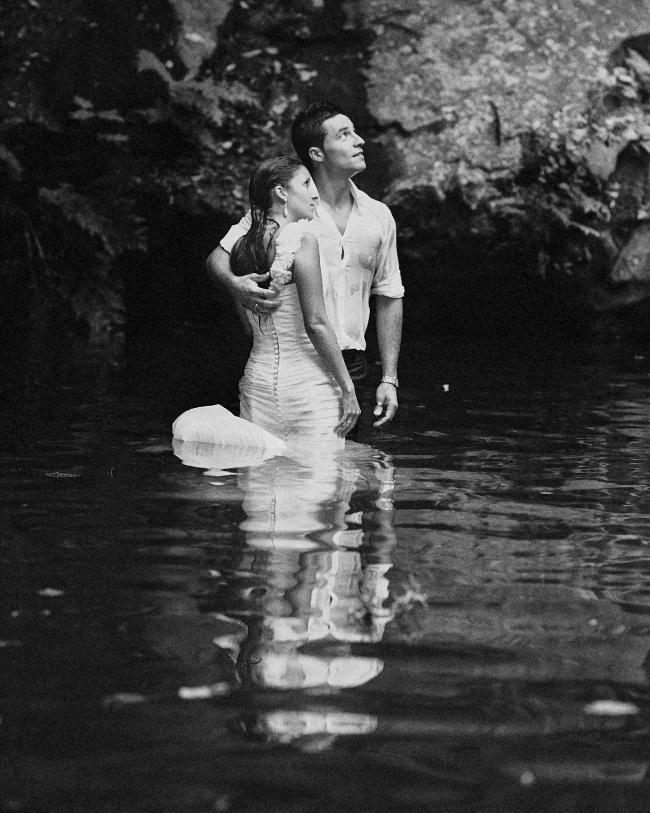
309 282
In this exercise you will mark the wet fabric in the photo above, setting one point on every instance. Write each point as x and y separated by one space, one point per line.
355 265
286 388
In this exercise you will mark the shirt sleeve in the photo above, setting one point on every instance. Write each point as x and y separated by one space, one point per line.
235 232
388 279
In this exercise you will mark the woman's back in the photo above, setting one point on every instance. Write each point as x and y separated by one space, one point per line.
287 388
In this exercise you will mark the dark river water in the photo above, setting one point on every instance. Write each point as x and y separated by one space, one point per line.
453 616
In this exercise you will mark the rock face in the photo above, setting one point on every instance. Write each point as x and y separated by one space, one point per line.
197 37
465 83
519 136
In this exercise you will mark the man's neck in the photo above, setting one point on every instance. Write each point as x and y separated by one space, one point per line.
334 191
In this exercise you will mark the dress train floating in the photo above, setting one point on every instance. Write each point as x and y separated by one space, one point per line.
211 437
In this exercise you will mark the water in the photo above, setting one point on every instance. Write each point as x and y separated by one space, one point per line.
455 617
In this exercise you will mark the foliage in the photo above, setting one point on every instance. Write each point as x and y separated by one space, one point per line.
92 143
67 245
205 97
578 186
115 229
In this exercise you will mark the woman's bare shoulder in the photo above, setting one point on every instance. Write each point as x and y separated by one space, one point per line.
308 242
309 239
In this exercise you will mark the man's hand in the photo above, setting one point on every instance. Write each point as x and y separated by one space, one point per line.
247 292
244 290
386 404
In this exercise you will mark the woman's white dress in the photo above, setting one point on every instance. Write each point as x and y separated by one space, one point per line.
286 388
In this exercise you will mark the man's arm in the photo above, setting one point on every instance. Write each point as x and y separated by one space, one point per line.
244 290
389 338
388 288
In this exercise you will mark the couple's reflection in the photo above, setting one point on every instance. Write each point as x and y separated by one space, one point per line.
318 536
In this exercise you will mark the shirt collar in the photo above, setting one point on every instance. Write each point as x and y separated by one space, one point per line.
356 194
358 199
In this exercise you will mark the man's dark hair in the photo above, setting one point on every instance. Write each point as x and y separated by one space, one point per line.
307 129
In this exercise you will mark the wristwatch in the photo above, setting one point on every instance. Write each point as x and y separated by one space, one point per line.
390 379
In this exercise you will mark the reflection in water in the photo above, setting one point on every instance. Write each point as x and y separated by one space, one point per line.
319 534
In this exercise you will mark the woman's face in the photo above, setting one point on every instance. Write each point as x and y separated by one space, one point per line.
302 195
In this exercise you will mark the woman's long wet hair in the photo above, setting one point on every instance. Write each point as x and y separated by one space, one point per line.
253 253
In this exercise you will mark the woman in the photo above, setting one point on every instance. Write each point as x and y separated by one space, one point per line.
295 384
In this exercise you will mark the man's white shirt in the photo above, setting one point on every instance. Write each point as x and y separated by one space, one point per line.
355 265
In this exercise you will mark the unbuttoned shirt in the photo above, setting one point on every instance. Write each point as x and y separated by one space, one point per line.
355 265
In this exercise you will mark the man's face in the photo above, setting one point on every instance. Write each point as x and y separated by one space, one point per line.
342 147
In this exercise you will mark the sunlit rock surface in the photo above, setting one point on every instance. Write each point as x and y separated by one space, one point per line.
199 20
464 83
518 134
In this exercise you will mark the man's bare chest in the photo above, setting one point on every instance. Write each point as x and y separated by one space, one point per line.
340 216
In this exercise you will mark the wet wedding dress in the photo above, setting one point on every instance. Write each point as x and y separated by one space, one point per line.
286 389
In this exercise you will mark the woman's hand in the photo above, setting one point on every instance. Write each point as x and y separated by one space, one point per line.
351 412
247 292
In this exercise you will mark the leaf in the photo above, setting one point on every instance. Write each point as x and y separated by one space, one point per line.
204 692
601 159
237 93
10 161
584 229
123 699
110 115
147 61
81 102
639 64
82 115
611 708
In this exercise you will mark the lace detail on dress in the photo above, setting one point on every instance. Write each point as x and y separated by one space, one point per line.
287 243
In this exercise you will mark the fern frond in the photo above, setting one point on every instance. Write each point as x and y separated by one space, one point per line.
205 97
202 96
10 161
236 93
117 230
147 61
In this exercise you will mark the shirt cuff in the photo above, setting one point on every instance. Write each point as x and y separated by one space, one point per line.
394 290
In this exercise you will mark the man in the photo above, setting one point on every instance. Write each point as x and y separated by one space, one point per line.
358 254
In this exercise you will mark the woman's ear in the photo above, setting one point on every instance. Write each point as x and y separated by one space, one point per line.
280 193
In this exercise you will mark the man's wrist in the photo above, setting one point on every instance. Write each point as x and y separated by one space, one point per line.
390 379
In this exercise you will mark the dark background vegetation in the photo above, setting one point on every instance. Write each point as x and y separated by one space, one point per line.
127 136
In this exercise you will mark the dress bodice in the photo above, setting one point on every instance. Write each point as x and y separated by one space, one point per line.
286 324
287 388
